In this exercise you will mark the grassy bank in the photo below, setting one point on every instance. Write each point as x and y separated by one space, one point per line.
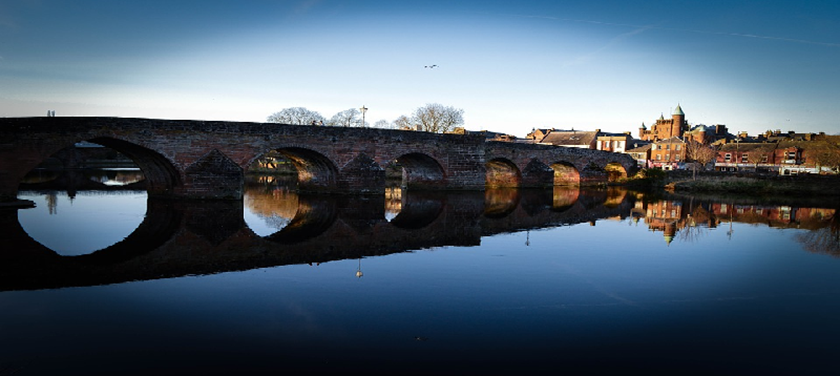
715 182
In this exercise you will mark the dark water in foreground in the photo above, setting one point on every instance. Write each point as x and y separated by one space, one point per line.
507 282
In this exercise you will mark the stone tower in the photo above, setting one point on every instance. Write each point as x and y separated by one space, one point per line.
665 128
678 123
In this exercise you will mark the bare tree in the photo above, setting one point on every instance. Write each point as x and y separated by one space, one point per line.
437 118
403 122
296 116
700 154
825 153
347 118
382 124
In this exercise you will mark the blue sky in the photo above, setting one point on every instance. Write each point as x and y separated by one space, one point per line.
512 66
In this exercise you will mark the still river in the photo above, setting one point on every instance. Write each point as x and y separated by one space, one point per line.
496 282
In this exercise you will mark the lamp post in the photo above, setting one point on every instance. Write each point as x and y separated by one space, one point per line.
363 109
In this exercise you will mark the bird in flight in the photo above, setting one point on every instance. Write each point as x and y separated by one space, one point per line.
431 66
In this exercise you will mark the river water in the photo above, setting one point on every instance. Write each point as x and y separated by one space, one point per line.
497 282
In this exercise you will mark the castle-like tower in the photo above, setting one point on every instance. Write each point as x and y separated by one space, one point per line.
665 128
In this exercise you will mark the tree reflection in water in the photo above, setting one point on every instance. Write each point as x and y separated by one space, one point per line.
825 240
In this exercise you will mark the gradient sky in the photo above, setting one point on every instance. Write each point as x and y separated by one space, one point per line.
511 65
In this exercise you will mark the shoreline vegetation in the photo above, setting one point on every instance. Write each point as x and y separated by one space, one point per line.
740 184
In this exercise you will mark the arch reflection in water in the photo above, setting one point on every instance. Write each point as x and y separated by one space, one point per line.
418 209
275 211
500 202
393 202
83 223
269 208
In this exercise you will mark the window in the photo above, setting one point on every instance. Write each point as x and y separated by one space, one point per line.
745 158
678 147
668 147
677 157
727 157
659 157
764 158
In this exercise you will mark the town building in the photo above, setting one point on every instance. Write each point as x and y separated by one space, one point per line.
737 156
641 154
798 154
537 134
668 154
614 142
571 138
665 128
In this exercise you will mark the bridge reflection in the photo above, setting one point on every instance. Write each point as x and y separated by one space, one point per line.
203 237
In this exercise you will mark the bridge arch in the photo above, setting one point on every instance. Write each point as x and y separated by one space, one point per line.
502 173
565 174
315 171
615 172
160 175
420 171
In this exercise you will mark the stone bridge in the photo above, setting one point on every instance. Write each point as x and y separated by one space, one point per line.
207 159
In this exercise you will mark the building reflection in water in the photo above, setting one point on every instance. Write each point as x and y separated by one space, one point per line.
688 217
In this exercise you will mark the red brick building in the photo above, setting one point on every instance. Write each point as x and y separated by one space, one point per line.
665 128
668 153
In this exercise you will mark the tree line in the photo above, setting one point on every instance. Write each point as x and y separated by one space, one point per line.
432 117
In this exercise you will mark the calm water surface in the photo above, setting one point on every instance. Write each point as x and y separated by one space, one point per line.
505 282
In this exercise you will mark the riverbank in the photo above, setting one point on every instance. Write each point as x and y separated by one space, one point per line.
745 184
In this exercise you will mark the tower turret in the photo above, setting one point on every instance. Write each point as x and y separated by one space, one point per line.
678 125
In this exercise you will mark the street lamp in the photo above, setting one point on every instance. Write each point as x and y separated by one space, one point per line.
363 109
